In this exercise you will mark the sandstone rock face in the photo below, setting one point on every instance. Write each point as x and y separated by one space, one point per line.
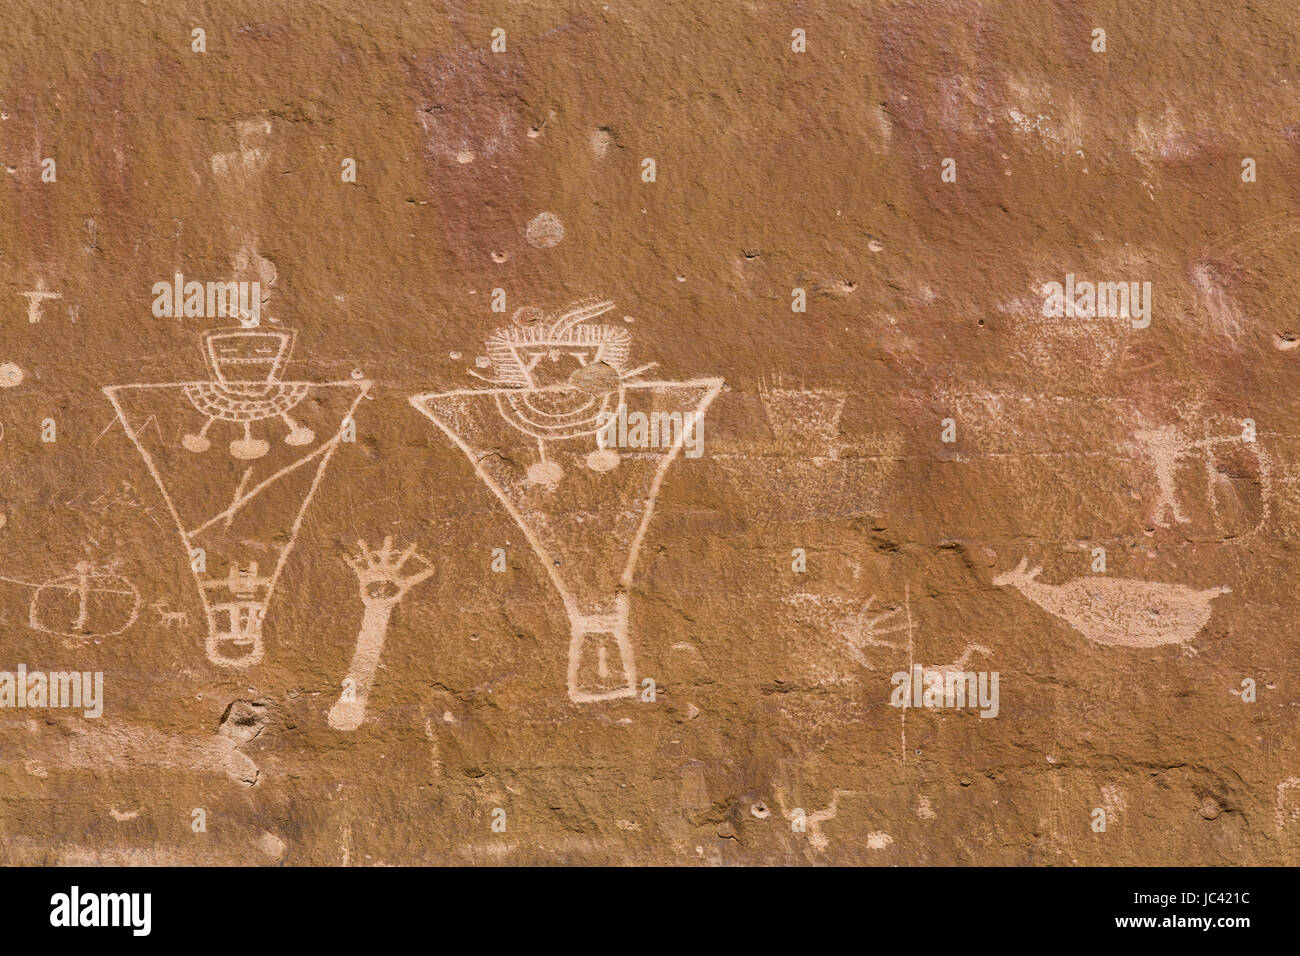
669 433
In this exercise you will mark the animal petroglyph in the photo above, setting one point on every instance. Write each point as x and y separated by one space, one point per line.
1119 612
170 618
92 601
383 584
812 822
959 665
236 510
539 439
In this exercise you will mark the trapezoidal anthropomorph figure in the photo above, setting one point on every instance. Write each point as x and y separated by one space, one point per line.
238 502
575 443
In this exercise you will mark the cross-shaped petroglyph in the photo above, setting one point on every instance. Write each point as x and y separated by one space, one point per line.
35 298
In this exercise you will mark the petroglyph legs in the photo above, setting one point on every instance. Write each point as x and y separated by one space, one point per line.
600 655
170 618
1164 446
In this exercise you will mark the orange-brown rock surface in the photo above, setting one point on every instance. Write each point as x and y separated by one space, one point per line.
619 417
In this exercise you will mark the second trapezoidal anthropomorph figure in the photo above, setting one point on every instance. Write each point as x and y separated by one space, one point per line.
575 443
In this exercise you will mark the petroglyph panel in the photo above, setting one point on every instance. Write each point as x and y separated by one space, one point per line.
664 433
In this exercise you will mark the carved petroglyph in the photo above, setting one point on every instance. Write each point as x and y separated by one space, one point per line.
812 822
245 388
1164 447
1119 612
170 618
87 745
1286 810
866 628
858 629
806 470
242 166
541 439
242 509
959 665
804 419
241 184
92 601
383 584
544 230
35 299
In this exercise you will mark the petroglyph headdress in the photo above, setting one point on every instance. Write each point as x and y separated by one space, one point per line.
513 351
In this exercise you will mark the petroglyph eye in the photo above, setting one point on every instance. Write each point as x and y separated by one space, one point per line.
382 589
595 379
528 315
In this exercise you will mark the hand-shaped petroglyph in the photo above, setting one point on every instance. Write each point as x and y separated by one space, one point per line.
383 585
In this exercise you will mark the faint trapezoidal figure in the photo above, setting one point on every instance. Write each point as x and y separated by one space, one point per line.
383 584
1118 612
92 601
242 508
556 386
803 473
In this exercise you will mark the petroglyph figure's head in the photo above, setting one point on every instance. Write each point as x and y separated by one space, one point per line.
247 362
538 351
1017 576
559 374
